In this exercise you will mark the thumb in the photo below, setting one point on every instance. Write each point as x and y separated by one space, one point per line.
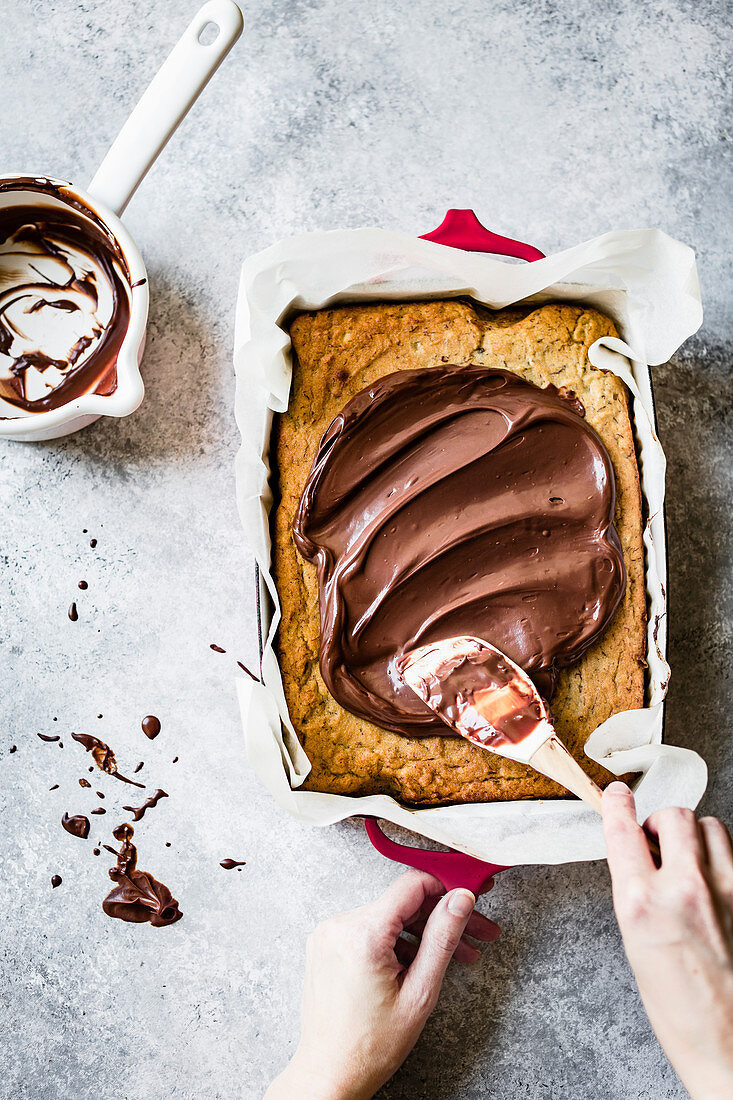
440 938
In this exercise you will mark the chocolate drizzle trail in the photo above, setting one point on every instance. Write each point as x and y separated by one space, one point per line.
151 726
137 896
59 261
77 826
451 501
103 756
230 864
139 812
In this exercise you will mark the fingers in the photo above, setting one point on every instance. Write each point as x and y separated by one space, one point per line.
440 939
626 845
402 902
719 850
680 840
479 927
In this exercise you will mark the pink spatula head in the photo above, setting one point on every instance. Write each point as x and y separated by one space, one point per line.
481 694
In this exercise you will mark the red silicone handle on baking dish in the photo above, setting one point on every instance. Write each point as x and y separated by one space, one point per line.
459 229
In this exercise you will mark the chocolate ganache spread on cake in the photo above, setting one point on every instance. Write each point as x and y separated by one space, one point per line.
64 308
457 500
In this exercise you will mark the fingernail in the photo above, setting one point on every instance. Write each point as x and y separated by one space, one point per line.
461 903
617 787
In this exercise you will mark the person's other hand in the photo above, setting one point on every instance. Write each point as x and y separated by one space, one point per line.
676 921
369 990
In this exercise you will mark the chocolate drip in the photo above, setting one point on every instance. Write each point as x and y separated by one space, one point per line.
99 810
49 737
139 812
56 880
84 783
137 896
77 826
451 501
217 648
151 726
230 864
73 613
103 757
250 674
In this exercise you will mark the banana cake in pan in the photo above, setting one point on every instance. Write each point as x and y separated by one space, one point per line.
442 469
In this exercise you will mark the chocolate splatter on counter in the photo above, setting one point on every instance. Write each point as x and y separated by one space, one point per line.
100 794
217 648
83 586
137 896
175 760
77 826
49 737
54 788
92 543
73 613
139 766
250 674
230 864
151 726
84 783
12 749
56 880
95 851
138 812
99 810
103 756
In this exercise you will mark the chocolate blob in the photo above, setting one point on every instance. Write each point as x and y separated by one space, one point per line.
137 896
77 826
451 501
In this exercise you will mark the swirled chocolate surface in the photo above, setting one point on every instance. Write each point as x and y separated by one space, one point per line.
449 501
64 304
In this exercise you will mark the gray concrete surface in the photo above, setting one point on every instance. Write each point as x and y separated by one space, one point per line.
555 122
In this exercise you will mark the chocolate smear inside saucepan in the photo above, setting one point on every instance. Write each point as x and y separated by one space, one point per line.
103 757
77 826
137 896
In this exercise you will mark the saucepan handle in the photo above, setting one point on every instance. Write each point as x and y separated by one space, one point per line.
452 868
166 102
462 229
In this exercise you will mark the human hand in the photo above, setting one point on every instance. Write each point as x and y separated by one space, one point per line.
369 991
676 921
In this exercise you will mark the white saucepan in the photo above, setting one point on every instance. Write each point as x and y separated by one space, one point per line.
192 63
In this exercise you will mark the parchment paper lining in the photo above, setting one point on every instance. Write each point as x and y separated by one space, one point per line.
647 282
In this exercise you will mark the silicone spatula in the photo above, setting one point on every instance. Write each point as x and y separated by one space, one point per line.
488 699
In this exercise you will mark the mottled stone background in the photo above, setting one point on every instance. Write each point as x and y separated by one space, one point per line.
555 122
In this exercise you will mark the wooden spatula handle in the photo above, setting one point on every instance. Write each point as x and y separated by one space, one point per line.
554 761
